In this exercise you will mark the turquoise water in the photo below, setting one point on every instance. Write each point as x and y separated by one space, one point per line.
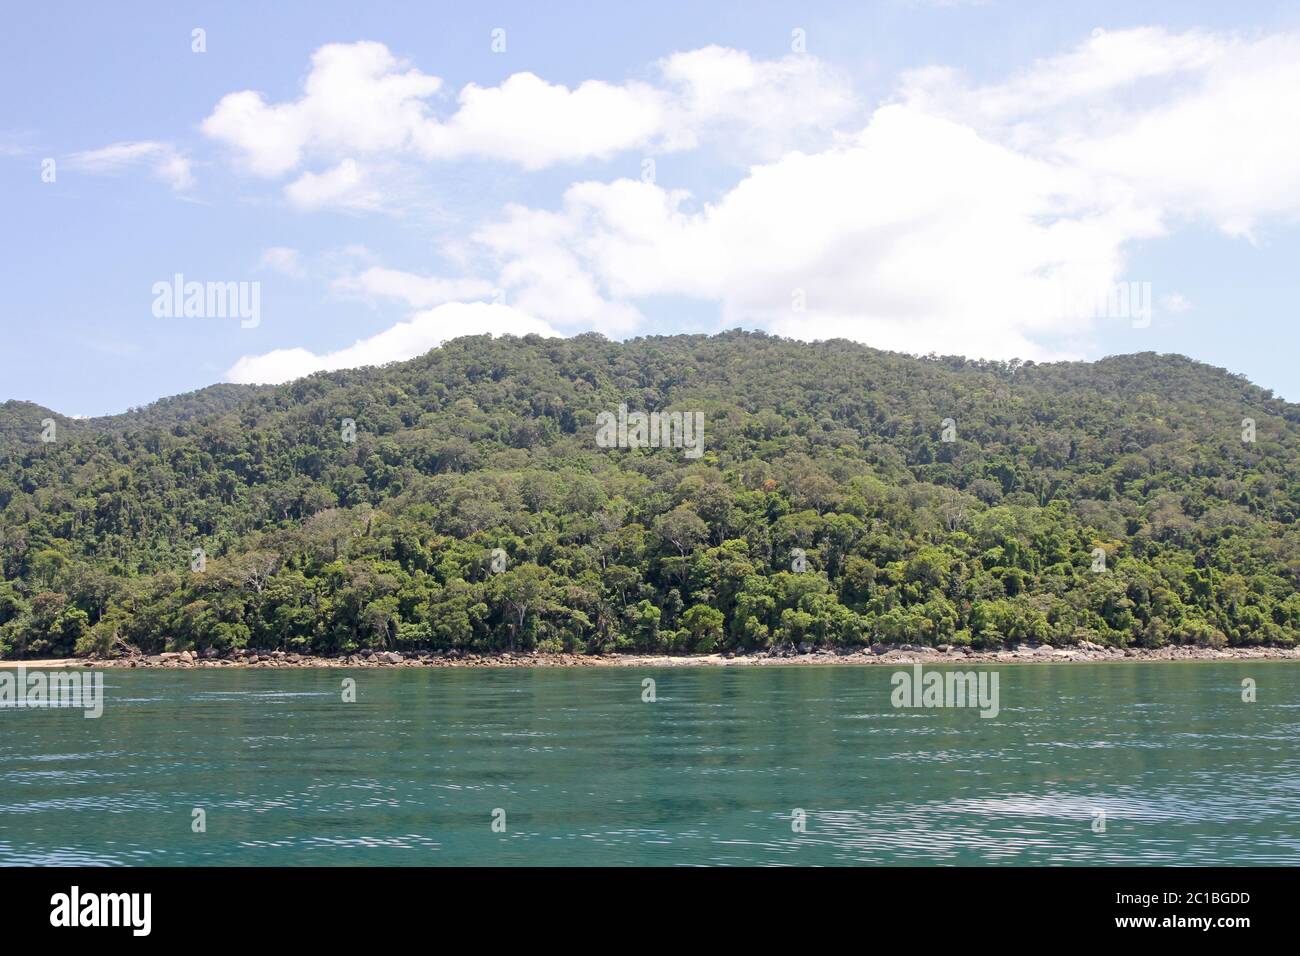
710 773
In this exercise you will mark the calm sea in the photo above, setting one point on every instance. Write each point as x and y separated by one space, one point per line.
574 767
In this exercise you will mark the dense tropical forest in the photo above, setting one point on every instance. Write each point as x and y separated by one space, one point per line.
843 496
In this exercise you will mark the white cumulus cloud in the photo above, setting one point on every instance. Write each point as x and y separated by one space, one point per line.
983 220
358 98
361 103
956 217
403 341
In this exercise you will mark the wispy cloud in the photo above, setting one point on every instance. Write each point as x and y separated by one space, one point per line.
162 159
417 291
284 260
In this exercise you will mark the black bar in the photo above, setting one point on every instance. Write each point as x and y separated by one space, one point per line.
334 905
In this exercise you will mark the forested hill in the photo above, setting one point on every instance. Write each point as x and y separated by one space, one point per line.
841 496
25 421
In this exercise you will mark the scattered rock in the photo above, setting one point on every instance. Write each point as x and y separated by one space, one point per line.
804 652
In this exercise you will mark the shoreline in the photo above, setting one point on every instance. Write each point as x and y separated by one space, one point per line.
904 654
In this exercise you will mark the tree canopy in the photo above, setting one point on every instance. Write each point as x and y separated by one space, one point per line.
1121 501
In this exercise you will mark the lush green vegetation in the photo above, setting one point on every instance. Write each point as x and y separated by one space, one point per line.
316 543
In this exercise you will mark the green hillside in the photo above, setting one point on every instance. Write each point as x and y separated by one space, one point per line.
826 506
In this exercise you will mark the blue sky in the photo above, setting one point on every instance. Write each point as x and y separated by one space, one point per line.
958 178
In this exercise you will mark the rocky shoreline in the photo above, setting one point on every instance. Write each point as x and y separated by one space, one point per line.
876 654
